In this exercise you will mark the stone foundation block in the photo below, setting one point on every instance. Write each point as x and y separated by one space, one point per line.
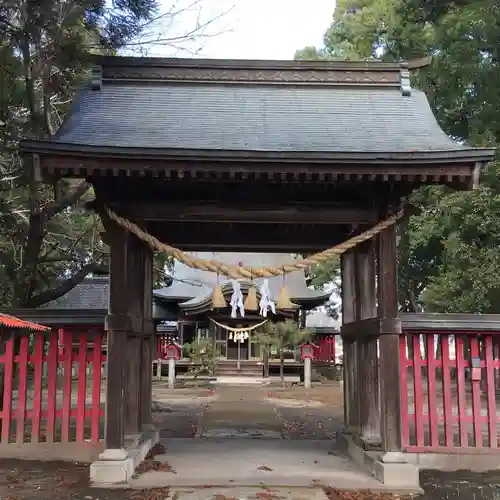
397 475
391 469
118 466
105 472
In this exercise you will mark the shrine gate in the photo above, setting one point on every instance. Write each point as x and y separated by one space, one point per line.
262 156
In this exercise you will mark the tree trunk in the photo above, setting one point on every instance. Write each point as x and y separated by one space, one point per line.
282 366
265 359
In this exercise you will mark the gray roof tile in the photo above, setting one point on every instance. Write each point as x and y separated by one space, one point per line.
92 293
244 117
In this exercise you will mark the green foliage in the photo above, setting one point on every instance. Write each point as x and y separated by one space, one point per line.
328 275
48 242
284 334
281 336
448 248
202 353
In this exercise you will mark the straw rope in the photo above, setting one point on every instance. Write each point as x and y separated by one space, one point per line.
247 272
238 330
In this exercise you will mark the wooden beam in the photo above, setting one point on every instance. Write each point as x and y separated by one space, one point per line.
371 327
196 236
390 396
368 380
349 306
250 213
446 322
148 339
116 326
132 341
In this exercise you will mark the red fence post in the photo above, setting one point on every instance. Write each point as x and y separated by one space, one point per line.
447 392
461 390
403 363
22 389
458 401
81 404
68 379
432 407
36 414
52 359
29 406
8 363
476 393
491 391
97 360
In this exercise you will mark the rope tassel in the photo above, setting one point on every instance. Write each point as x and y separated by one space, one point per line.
251 303
284 301
218 300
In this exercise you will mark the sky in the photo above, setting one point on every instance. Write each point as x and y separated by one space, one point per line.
253 29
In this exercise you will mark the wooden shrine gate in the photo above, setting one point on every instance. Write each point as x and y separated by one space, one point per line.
256 156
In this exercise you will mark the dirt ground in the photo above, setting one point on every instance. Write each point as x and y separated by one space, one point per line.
329 393
30 480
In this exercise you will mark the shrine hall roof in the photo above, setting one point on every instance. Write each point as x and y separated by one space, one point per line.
192 287
166 106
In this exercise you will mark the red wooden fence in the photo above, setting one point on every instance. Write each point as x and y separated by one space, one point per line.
52 387
450 391
326 350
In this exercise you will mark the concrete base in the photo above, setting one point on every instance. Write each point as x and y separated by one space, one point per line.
391 469
117 466
231 462
478 462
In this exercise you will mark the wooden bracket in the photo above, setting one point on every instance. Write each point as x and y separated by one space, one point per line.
372 327
117 323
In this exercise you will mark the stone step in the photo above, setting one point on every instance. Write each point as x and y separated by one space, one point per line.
239 374
246 369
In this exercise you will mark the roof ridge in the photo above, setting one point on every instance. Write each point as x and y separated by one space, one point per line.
301 64
367 73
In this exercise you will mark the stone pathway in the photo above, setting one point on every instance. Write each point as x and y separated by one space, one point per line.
243 467
177 413
245 437
240 412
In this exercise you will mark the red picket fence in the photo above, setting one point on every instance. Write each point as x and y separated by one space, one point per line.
450 388
326 350
51 389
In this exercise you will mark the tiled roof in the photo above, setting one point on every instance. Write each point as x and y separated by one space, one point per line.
266 118
92 293
7 321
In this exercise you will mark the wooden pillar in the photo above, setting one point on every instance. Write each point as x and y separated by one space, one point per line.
180 325
116 326
390 396
132 342
349 306
368 384
148 338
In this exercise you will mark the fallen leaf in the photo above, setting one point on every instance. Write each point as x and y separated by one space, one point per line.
264 468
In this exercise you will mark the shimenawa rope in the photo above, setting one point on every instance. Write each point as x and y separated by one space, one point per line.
238 330
248 272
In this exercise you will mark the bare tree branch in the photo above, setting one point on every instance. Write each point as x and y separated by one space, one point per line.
66 201
65 286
